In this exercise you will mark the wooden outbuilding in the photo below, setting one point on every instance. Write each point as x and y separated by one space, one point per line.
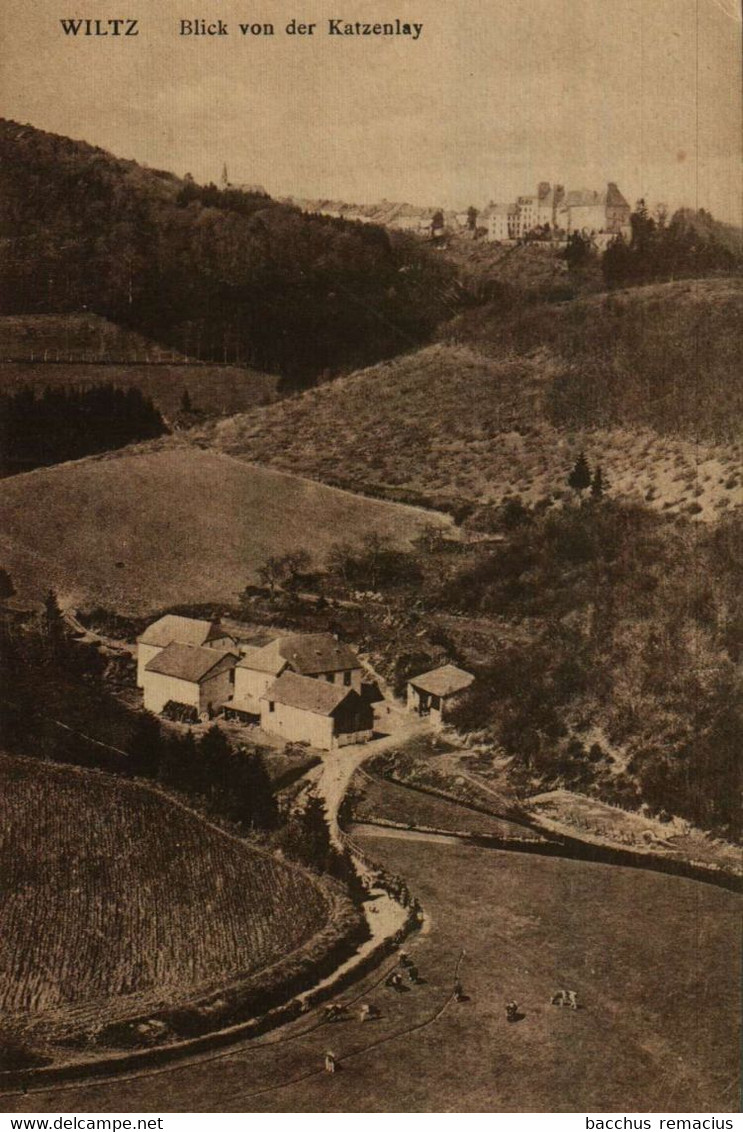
435 692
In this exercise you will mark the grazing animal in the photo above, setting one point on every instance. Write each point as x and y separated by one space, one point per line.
334 1012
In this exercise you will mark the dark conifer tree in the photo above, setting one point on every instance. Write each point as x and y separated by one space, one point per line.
580 477
599 483
259 795
145 746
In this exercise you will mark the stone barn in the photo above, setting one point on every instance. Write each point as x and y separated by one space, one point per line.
202 678
184 631
435 692
306 710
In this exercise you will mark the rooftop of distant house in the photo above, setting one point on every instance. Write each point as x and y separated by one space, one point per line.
308 653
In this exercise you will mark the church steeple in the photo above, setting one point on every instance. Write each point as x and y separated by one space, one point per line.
225 178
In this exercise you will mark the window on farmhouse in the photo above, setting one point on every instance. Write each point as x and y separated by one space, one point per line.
347 679
271 705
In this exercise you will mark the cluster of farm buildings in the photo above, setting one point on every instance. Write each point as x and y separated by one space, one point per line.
302 687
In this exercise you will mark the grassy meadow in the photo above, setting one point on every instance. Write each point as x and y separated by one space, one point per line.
143 529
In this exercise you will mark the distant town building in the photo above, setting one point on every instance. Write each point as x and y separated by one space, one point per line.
500 221
551 210
434 693
585 210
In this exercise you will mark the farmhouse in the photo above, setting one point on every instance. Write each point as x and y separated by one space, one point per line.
199 677
435 691
184 631
316 655
304 709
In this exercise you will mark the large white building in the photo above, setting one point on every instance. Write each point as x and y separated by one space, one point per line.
318 656
580 210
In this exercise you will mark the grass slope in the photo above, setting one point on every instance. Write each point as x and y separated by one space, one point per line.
86 349
146 528
449 423
75 337
112 893
214 390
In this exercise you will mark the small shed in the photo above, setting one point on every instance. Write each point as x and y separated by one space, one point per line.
434 692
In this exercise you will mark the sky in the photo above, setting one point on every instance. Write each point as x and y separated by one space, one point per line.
494 96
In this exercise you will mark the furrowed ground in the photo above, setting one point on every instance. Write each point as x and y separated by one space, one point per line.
115 901
142 529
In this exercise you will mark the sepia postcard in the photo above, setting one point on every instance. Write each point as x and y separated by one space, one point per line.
371 539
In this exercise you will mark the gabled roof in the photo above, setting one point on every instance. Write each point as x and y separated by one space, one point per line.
306 653
444 681
307 693
185 630
309 653
189 662
264 659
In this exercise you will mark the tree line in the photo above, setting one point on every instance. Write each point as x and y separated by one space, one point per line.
215 273
68 422
691 244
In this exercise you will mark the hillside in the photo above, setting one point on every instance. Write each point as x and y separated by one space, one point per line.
646 382
56 350
143 529
665 355
223 275
102 920
76 337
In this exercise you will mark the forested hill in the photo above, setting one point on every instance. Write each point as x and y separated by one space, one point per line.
221 274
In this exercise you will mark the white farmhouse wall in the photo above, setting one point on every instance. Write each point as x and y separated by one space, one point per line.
250 683
145 654
226 643
296 725
339 678
158 689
